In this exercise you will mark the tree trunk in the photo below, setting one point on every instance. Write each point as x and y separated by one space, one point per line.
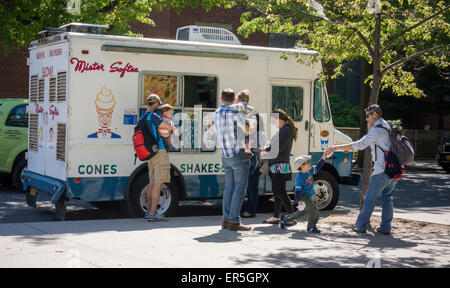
373 99
365 93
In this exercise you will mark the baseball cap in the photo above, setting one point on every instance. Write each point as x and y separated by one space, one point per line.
300 160
153 98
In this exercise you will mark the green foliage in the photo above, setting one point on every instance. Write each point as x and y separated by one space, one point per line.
396 124
21 20
344 114
346 30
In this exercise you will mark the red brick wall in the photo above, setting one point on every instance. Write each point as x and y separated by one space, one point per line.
14 69
168 21
14 73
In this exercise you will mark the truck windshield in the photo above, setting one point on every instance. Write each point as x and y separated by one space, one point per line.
319 103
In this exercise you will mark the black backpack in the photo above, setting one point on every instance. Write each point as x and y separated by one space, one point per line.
400 154
145 144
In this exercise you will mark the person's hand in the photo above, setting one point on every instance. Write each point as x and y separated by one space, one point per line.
175 132
172 127
325 154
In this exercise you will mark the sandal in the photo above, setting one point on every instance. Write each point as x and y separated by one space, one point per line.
276 222
248 215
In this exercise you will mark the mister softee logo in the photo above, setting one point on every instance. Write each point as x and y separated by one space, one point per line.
116 67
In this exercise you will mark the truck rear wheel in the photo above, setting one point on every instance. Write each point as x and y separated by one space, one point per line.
136 204
327 190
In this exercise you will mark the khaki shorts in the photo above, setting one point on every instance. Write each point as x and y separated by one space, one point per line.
159 167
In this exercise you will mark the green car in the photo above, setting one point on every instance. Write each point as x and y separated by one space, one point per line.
13 139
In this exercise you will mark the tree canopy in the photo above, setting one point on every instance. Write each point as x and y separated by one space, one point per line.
387 33
21 20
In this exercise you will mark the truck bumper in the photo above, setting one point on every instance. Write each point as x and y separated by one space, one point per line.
443 158
352 180
56 188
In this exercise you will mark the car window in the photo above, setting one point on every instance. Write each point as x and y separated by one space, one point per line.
18 117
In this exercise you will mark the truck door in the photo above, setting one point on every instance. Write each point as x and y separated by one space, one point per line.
292 97
48 111
321 123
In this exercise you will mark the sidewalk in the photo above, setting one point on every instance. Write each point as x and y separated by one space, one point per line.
198 242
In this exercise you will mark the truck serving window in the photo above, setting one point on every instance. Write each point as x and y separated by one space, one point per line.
200 90
318 99
289 99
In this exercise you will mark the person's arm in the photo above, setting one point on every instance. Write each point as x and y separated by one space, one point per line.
369 139
286 138
298 190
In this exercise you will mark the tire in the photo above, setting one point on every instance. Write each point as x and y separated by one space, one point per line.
327 190
135 206
17 174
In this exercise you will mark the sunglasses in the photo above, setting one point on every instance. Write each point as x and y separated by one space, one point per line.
367 115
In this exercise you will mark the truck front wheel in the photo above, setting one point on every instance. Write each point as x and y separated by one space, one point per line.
136 204
326 188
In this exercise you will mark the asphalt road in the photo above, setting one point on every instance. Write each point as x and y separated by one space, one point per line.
425 188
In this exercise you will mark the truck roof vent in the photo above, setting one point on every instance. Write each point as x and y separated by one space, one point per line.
84 28
207 34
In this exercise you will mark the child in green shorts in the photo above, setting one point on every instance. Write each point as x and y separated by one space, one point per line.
304 191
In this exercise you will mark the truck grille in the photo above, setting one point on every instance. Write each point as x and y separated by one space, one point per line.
61 90
52 90
61 142
41 90
33 88
34 118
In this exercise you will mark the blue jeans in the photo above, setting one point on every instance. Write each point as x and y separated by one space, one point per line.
236 181
379 184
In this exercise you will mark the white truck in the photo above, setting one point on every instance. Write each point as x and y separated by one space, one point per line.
87 91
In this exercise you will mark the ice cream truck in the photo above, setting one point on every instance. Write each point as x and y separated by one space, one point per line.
88 90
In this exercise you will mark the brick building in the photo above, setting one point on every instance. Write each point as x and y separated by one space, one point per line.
14 69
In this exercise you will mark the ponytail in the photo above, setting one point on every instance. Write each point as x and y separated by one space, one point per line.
283 116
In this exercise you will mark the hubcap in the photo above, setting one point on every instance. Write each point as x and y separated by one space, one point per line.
164 200
324 193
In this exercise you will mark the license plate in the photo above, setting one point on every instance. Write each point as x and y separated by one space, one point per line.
447 157
33 191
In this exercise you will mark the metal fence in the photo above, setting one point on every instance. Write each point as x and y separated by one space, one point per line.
425 142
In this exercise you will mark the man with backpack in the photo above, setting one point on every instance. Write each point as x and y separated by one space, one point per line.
387 167
159 163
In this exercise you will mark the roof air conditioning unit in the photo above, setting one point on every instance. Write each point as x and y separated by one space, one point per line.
84 28
207 34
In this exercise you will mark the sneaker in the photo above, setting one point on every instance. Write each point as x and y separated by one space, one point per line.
282 222
156 217
357 230
313 230
379 231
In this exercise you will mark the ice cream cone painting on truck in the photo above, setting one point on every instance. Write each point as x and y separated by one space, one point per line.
99 84
104 102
